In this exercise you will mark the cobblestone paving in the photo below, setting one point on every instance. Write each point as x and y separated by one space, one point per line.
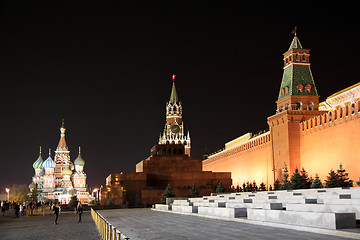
146 224
43 228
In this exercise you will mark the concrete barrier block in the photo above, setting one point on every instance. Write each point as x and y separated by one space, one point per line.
163 207
310 219
223 212
185 209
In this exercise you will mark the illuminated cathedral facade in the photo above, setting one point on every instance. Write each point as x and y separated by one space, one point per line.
60 179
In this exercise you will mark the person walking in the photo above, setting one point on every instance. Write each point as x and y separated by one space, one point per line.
21 208
56 212
17 209
3 208
79 210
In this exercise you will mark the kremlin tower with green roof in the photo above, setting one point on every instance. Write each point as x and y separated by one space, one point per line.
297 89
55 179
297 101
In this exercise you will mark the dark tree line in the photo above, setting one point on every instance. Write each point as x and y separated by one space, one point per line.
301 180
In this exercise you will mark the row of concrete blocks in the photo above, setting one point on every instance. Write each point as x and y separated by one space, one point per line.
327 220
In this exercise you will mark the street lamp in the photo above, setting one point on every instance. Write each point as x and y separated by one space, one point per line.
8 193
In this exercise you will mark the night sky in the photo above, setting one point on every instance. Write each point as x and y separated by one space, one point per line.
106 69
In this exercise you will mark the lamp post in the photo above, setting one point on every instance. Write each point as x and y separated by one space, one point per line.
8 193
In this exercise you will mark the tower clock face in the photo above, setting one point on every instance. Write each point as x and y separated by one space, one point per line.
175 128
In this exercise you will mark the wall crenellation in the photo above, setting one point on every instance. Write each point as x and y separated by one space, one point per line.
347 113
252 144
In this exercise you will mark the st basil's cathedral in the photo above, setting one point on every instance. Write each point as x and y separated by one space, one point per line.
60 179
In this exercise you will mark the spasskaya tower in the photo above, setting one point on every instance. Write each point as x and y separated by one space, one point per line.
174 127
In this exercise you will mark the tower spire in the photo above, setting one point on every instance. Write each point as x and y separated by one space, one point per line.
173 96
62 143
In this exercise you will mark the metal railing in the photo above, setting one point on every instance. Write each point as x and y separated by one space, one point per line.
106 230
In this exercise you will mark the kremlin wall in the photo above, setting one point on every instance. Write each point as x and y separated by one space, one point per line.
302 134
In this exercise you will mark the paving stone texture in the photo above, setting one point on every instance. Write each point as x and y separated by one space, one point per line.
43 228
147 224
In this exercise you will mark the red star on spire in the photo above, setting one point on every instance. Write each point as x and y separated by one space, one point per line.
173 76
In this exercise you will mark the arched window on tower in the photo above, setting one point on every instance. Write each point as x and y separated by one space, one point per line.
311 106
175 109
287 106
300 88
303 58
286 90
282 92
308 88
298 106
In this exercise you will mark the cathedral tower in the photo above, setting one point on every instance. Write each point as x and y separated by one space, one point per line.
174 127
62 157
298 100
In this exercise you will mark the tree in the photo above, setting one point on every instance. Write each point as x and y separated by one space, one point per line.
194 192
300 180
316 183
34 194
248 187
332 179
168 193
277 185
19 193
244 187
338 179
254 187
73 201
219 188
286 184
238 188
262 187
306 179
344 180
358 183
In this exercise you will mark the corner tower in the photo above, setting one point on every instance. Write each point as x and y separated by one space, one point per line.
174 127
298 101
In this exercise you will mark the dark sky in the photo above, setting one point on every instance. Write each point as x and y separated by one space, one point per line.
107 70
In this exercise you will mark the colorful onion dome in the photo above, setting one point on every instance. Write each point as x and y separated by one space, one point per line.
79 161
49 163
38 164
66 171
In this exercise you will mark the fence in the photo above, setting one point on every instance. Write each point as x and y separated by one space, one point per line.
106 230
